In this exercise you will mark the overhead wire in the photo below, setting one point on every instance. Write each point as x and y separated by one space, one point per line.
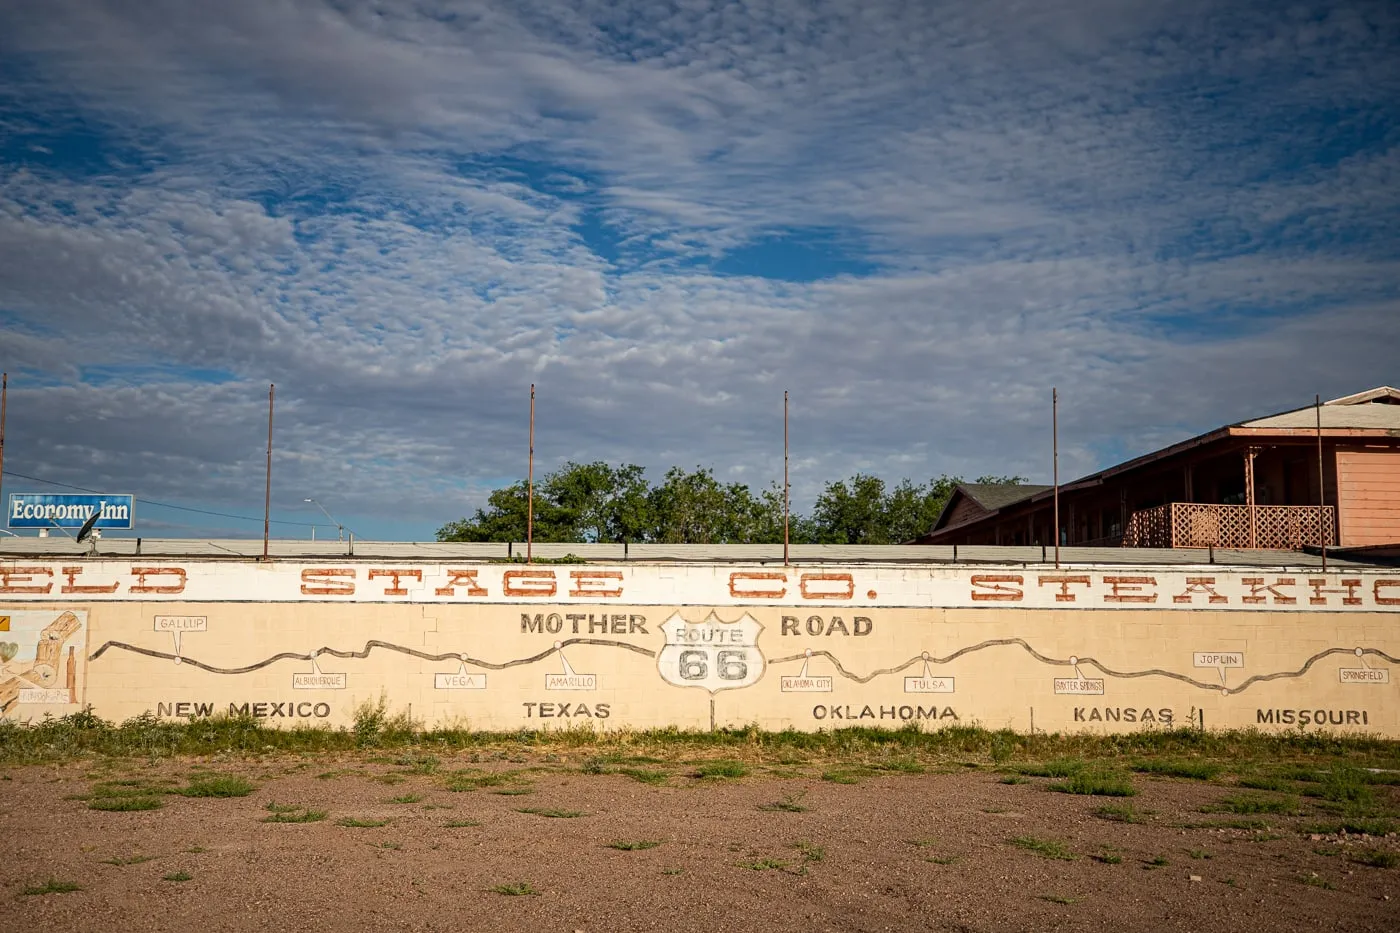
161 505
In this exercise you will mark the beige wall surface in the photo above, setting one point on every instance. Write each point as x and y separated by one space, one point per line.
828 657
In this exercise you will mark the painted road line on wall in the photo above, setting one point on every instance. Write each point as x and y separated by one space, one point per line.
364 653
1071 685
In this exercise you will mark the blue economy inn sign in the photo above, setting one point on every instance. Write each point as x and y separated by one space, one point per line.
40 510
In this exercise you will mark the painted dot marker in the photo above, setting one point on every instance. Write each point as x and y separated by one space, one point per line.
871 594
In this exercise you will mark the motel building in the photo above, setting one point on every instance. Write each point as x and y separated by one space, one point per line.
1326 475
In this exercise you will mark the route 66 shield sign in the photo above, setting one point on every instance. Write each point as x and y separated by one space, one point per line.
712 653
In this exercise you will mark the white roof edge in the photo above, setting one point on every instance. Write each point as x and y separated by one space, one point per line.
1360 398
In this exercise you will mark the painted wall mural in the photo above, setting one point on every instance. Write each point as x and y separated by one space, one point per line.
42 659
505 647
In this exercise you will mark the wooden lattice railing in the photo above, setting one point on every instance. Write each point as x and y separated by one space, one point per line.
1195 524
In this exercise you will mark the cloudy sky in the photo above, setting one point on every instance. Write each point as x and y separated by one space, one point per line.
918 217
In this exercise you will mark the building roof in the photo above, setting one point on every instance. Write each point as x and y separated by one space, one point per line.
1374 411
1388 395
992 496
250 550
1351 415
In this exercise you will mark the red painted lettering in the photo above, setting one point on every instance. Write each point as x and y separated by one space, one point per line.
1205 585
141 586
531 583
1064 595
71 573
1129 590
742 577
845 592
322 581
12 577
456 578
1256 586
996 591
1386 600
395 589
590 582
1347 592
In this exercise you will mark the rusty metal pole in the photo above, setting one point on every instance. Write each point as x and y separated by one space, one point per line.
4 396
267 496
530 487
1322 528
787 495
1249 495
1055 444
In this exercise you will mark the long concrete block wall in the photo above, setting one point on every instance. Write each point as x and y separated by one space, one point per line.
501 646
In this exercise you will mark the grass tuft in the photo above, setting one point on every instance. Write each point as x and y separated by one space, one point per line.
52 886
177 876
1120 813
1375 858
125 804
552 813
475 780
517 889
721 770
631 846
358 823
788 804
1096 783
1045 848
295 816
763 864
128 860
460 824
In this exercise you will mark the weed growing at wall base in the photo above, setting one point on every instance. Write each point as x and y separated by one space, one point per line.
853 752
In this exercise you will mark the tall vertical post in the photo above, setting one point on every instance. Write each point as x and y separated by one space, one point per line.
1055 445
4 396
267 496
1321 490
530 487
1249 456
787 495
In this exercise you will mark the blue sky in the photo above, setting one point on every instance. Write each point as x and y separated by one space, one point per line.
916 217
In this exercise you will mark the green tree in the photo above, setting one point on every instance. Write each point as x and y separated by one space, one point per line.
599 502
854 512
504 519
862 510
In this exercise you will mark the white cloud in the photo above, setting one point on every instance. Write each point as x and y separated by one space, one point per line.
1151 207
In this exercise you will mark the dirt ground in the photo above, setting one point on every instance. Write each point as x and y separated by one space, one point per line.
931 851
